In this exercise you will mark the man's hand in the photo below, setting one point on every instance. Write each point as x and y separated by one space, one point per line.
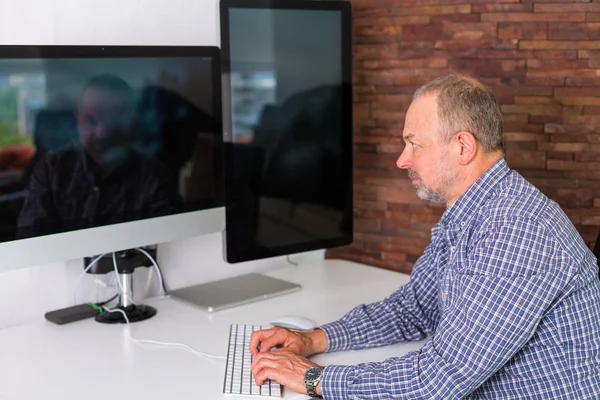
283 366
304 344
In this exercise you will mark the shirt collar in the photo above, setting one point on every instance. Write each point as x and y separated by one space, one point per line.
476 195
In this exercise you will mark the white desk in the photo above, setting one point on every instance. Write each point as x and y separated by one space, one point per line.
92 361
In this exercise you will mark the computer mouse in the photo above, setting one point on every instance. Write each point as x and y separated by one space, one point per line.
294 322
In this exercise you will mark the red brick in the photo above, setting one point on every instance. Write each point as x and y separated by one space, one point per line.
410 63
398 196
526 159
499 7
422 33
473 17
567 165
367 225
536 109
573 31
523 137
490 67
559 155
591 110
437 10
478 44
559 45
587 156
593 57
556 64
571 91
534 100
358 13
375 52
592 16
555 54
568 147
470 31
491 53
529 17
381 3
526 30
566 8
581 81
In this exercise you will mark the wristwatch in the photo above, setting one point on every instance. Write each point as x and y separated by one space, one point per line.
312 377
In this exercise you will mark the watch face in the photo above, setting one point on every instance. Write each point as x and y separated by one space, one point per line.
313 373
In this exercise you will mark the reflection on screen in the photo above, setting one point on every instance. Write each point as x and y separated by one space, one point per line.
289 183
93 142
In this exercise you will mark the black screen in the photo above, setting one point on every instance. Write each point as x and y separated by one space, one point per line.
97 136
289 145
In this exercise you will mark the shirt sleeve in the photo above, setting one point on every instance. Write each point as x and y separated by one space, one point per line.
406 315
506 284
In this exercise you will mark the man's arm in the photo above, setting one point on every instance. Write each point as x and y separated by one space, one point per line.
407 315
500 295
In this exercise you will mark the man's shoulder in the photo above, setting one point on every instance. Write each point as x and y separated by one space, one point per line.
518 202
516 197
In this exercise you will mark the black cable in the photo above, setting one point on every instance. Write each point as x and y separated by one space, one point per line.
107 301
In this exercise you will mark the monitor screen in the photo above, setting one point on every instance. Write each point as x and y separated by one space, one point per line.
100 136
288 72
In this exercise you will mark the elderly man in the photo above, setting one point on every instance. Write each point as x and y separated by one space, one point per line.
507 290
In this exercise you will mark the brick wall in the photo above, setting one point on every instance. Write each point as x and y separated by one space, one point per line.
542 59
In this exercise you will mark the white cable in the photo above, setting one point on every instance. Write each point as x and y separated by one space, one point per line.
94 262
153 261
114 257
159 343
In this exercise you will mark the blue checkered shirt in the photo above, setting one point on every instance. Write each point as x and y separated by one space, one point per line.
508 295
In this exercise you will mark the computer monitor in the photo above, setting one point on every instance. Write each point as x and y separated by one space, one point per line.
109 148
287 79
287 68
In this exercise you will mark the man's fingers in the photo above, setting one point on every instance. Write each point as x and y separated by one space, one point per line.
276 339
264 374
257 337
263 360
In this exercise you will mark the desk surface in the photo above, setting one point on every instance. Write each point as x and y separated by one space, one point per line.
95 361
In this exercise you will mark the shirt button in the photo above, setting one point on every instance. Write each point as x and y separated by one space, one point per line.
463 223
453 248
444 296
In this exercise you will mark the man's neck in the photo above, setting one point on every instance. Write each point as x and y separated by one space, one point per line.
472 174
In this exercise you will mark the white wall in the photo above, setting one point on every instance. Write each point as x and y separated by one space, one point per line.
26 294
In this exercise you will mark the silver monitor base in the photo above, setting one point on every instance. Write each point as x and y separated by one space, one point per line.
235 291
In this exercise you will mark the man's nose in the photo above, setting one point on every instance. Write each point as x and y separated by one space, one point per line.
403 161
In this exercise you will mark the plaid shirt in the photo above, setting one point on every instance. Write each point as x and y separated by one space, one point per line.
509 295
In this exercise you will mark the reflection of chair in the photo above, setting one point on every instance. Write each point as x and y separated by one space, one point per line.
303 139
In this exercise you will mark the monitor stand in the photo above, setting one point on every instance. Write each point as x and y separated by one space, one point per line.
235 291
127 261
134 312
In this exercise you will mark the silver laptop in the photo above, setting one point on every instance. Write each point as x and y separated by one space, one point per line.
230 292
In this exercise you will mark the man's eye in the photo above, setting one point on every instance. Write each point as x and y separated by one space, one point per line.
413 145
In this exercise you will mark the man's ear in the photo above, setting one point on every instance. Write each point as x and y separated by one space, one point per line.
467 145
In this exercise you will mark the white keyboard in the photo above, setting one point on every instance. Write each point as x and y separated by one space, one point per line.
238 376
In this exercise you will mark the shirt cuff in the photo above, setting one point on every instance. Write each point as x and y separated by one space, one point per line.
338 336
335 381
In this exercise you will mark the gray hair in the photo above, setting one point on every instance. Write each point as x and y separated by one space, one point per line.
465 104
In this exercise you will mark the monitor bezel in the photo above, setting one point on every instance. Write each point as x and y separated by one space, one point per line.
345 9
77 244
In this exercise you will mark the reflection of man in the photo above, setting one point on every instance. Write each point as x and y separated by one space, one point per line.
103 182
507 290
